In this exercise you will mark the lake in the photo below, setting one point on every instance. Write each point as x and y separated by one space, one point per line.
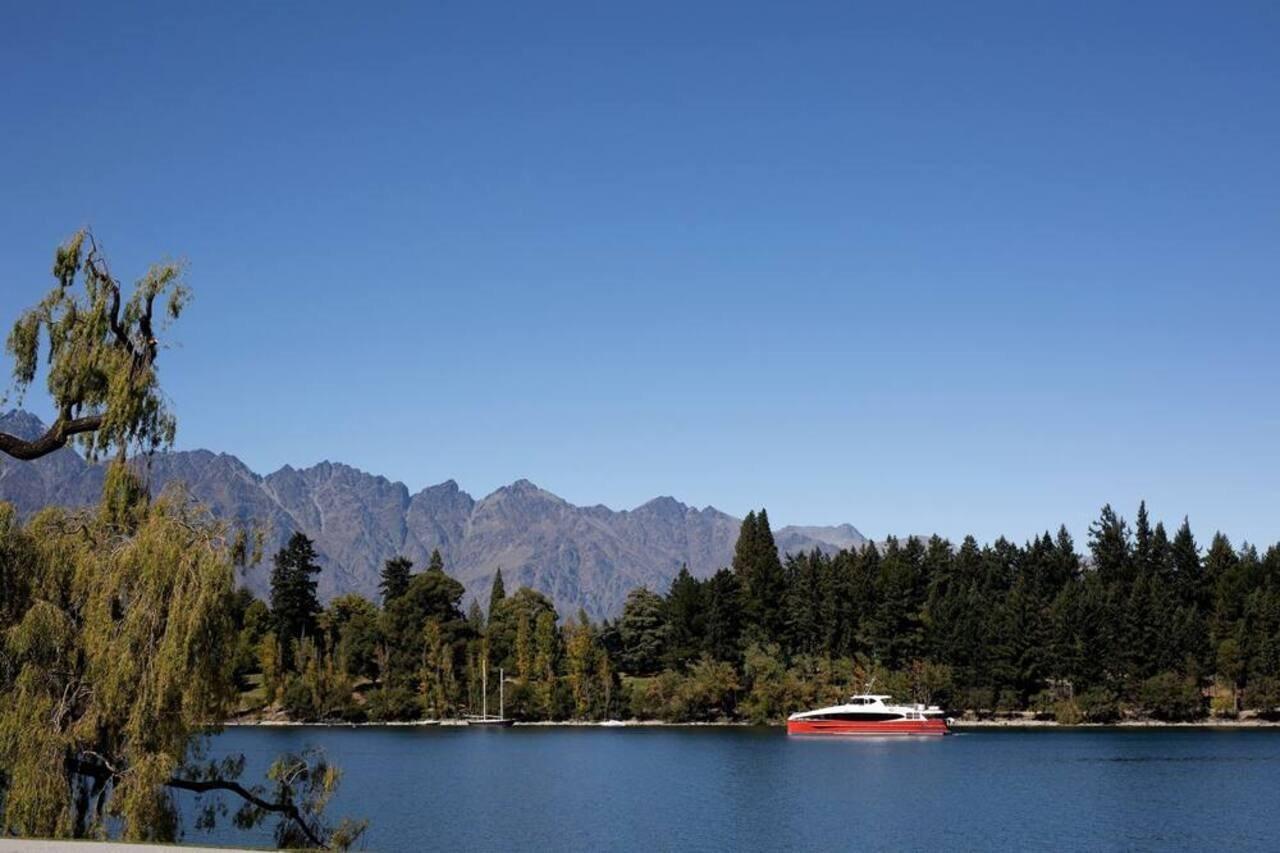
676 788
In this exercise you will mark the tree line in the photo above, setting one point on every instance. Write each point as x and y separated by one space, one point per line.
1141 624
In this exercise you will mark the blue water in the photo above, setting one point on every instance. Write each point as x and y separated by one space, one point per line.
756 789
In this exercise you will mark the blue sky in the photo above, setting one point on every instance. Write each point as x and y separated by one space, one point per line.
955 267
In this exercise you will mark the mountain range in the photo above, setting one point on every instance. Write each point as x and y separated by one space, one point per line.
581 557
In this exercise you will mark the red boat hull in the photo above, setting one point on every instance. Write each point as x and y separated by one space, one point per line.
852 727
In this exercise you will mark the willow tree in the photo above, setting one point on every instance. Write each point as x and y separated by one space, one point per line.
100 348
117 641
118 656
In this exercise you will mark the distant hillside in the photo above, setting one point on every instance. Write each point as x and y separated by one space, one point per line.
588 557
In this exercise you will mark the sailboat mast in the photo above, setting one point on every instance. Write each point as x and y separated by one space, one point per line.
484 689
502 683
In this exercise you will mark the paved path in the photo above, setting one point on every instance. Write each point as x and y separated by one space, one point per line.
31 845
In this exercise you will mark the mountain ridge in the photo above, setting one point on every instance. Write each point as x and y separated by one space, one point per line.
586 557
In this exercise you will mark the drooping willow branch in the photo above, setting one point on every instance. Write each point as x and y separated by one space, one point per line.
101 354
102 775
287 809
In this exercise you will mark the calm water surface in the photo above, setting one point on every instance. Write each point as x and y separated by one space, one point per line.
756 789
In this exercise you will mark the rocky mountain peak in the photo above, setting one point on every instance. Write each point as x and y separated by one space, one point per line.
588 557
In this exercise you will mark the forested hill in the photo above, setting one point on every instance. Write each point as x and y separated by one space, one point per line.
580 557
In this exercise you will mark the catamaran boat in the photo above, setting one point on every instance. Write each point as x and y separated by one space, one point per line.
870 714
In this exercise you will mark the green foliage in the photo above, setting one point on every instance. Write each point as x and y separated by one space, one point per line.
439 687
119 647
430 596
995 629
756 564
393 704
293 593
686 619
706 693
353 624
319 691
100 348
1171 697
774 691
543 676
308 781
87 675
1263 696
395 579
497 594
1067 713
1098 705
510 631
724 616
643 628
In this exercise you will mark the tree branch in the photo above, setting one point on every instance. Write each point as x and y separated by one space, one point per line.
55 438
101 774
289 810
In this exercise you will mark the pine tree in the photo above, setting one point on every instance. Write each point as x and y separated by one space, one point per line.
1143 544
497 593
644 631
724 616
395 579
744 551
437 562
1188 571
1109 542
475 617
686 619
803 606
293 593
764 583
1224 578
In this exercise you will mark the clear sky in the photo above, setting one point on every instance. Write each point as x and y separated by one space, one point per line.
954 267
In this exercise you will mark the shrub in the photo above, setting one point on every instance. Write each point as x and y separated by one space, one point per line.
1223 701
353 712
1170 697
1067 713
298 702
392 704
773 688
1044 704
979 700
1263 695
648 697
1098 705
708 692
1008 701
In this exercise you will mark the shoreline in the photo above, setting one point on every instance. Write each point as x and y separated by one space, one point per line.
958 725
